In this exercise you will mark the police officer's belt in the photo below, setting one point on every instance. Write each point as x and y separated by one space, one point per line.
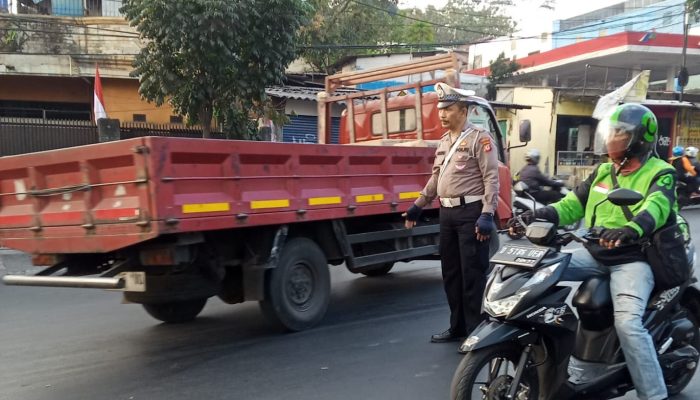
458 201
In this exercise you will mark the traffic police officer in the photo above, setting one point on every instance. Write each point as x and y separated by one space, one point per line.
465 178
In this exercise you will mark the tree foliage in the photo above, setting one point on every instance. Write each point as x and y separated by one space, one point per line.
467 21
694 7
500 71
212 59
340 23
341 28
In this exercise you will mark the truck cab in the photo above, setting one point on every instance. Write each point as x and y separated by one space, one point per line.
407 115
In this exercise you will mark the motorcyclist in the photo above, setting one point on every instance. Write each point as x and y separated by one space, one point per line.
531 175
691 153
628 137
686 171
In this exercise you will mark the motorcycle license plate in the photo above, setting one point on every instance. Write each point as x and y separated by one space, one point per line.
524 256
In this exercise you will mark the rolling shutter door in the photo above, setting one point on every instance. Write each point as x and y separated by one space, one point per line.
302 129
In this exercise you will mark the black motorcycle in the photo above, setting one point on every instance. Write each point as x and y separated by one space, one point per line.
535 347
688 195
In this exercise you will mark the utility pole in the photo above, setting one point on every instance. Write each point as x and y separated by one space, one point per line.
683 74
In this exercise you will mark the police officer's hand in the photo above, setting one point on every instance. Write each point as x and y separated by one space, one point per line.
615 237
411 216
484 227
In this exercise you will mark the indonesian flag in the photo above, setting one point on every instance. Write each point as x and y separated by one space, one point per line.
99 102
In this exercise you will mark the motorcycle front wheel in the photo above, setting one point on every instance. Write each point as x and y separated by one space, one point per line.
676 384
488 373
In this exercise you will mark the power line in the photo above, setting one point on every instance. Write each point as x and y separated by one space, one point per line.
379 46
69 54
579 30
604 21
422 20
71 33
56 22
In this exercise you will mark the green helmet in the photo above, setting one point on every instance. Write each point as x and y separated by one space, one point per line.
630 132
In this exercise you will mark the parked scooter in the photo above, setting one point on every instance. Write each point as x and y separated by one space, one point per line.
535 347
523 201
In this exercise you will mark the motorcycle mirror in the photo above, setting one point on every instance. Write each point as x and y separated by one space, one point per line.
520 187
624 197
525 131
540 232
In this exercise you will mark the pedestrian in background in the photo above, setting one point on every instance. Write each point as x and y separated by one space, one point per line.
465 178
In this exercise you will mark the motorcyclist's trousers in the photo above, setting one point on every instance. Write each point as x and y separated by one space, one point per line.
630 286
464 263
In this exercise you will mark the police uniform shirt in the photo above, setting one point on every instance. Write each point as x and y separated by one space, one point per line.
471 171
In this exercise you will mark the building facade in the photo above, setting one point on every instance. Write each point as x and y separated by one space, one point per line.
48 59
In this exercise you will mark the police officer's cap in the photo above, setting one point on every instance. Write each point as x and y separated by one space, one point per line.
447 95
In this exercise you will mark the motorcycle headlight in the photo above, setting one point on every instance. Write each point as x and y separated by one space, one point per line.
503 307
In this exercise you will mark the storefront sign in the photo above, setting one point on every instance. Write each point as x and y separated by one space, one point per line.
694 124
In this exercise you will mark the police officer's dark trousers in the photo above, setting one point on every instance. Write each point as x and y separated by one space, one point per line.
464 264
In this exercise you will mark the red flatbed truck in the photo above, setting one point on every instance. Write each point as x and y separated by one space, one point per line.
172 222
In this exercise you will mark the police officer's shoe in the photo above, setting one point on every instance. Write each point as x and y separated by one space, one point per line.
448 336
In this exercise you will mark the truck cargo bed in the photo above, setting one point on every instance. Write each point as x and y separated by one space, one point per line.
103 197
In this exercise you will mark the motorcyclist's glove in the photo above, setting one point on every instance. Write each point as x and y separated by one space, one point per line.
624 234
485 223
413 212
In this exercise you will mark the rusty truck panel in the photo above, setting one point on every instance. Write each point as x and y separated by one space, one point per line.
92 198
107 196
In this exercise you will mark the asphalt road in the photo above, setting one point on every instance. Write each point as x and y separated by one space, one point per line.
71 344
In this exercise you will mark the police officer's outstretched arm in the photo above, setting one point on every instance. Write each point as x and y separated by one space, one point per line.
488 164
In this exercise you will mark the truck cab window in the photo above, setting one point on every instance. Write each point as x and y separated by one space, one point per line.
479 116
403 120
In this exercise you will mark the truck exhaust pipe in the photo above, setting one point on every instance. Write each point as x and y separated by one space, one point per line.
128 281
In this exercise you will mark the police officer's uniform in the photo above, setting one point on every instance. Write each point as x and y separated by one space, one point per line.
467 186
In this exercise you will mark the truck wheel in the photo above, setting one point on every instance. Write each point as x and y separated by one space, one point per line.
297 291
379 269
176 311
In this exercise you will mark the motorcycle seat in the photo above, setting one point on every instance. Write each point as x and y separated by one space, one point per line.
593 294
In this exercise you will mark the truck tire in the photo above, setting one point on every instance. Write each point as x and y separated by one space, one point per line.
297 290
176 312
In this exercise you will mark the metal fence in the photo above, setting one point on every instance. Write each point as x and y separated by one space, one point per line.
27 135
569 161
66 8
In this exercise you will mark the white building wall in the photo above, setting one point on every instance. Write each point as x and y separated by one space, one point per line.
543 133
483 54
